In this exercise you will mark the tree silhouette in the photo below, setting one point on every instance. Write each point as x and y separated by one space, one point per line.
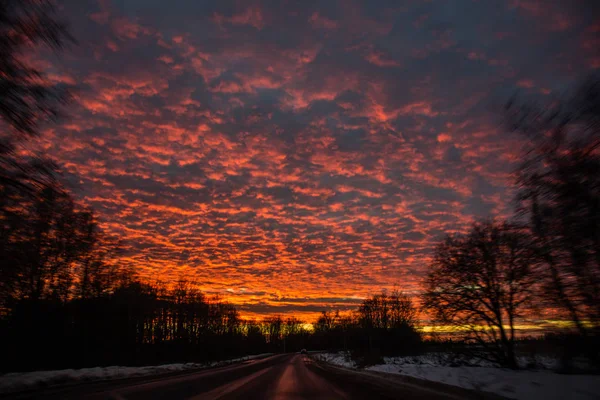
383 325
482 282
26 100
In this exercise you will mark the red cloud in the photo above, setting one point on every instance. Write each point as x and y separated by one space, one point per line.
287 155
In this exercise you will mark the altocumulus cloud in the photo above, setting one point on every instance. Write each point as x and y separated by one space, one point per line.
293 156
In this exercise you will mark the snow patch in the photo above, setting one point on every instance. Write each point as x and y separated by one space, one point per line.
31 380
541 383
342 359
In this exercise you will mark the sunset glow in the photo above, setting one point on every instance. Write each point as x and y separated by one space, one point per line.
293 158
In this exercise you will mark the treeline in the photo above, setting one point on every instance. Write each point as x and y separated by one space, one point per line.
134 323
544 262
65 302
137 324
383 325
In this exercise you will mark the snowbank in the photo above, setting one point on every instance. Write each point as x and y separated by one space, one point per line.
30 380
523 384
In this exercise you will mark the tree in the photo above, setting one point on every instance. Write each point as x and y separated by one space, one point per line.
402 311
48 240
559 196
385 311
482 282
26 99
96 274
292 326
274 330
388 322
325 322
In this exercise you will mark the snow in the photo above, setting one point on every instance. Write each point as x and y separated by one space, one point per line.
341 359
541 383
30 380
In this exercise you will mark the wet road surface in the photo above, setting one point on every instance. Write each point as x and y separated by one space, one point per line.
290 376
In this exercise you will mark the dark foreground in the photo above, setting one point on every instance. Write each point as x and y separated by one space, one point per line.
277 377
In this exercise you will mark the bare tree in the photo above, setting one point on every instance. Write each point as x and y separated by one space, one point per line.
402 310
51 239
385 311
559 196
481 282
96 273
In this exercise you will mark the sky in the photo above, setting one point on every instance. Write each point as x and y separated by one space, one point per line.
296 156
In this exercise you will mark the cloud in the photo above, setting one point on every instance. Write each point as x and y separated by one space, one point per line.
310 154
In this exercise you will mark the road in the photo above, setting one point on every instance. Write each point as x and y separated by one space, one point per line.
288 376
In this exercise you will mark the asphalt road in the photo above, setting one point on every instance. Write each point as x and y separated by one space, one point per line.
289 376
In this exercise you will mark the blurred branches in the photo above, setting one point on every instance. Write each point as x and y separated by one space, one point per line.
26 97
559 195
